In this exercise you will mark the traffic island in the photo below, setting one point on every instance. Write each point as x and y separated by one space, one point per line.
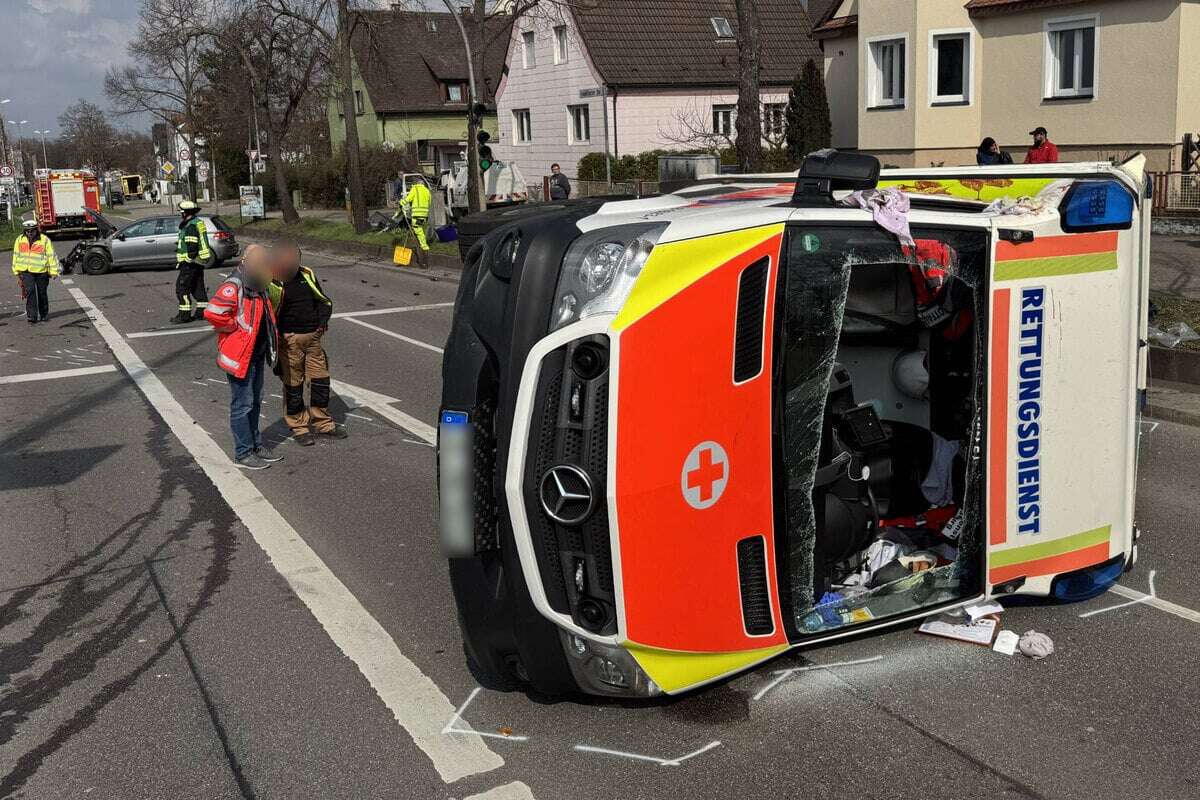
340 238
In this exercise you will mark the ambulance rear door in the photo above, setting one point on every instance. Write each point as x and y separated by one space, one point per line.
1062 396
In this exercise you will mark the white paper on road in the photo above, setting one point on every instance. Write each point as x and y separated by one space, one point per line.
415 700
1006 642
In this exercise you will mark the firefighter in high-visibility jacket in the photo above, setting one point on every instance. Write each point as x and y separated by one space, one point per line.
192 255
415 207
34 264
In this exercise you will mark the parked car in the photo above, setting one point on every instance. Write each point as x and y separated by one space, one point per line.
146 242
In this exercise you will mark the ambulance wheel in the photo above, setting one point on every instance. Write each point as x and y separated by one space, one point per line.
494 674
97 263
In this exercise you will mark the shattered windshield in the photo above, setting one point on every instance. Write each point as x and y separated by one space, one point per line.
881 381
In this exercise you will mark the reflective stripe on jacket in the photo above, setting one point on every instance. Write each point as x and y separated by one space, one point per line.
192 244
276 289
237 318
35 256
418 200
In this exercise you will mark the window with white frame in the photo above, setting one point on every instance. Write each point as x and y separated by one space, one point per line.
722 27
456 93
950 67
722 121
581 125
886 73
774 118
560 44
1071 58
522 126
528 56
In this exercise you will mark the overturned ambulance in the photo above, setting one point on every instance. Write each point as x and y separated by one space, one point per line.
683 434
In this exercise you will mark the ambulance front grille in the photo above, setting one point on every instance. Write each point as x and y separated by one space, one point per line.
752 577
748 330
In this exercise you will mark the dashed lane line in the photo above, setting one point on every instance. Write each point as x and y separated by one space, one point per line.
56 373
350 315
413 698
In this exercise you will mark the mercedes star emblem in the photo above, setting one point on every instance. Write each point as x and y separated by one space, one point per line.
566 494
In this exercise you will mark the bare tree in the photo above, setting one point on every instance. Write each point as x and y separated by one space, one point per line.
166 78
749 116
90 139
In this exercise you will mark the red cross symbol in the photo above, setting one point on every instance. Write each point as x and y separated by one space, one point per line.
705 473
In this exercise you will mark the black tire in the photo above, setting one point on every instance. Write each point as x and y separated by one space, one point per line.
474 227
495 677
97 262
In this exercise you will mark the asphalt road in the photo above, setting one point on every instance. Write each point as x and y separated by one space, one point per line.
170 627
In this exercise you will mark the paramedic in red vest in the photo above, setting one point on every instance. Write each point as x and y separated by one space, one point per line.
1043 151
34 264
246 346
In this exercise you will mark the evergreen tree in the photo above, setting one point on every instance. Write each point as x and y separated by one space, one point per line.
808 126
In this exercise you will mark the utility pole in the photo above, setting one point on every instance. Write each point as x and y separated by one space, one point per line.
475 201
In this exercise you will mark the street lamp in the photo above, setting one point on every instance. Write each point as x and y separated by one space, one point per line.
45 160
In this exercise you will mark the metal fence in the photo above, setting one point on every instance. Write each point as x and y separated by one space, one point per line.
1176 192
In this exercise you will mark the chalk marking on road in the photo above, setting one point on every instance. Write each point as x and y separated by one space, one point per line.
1153 425
449 729
359 416
509 791
68 282
412 697
382 405
1152 600
216 380
394 335
662 762
347 315
57 373
36 358
784 674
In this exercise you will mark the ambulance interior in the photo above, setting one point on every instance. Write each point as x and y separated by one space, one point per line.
882 369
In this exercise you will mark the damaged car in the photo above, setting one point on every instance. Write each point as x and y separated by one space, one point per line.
684 434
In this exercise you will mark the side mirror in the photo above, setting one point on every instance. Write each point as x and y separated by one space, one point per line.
120 237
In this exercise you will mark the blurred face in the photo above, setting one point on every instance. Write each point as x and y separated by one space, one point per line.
1038 138
256 264
994 148
554 169
285 260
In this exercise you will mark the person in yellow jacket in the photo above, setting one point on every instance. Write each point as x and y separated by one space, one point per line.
34 264
415 207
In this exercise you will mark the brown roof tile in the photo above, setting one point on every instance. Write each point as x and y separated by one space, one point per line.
404 63
672 42
983 8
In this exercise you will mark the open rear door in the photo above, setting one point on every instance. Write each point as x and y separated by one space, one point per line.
1062 397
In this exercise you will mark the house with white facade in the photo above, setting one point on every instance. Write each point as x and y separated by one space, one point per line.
629 76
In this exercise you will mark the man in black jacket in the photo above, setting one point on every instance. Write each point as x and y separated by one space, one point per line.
302 312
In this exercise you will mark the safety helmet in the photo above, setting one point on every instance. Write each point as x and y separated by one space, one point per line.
29 224
910 374
188 207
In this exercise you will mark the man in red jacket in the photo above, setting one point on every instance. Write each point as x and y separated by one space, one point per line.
1043 151
247 343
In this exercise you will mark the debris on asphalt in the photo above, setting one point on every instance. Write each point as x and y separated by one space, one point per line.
983 610
1036 645
1006 642
980 632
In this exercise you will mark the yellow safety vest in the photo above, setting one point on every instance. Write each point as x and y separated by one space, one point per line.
418 199
275 289
36 256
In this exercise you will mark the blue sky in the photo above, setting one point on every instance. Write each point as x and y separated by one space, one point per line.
57 51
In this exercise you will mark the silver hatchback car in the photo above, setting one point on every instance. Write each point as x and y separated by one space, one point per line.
147 242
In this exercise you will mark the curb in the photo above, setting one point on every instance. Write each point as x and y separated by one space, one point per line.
1177 366
377 252
1164 414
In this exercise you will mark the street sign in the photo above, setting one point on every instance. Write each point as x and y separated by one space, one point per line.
586 93
202 172
6 171
251 201
185 155
260 166
167 168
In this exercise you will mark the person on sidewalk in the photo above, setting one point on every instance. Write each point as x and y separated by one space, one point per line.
1043 151
415 208
246 344
34 264
192 255
560 185
302 310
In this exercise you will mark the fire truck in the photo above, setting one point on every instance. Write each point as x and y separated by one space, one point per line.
62 198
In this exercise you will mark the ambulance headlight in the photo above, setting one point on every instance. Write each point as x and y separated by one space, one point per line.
606 669
600 269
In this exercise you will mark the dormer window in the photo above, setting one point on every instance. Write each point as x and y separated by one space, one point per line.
455 92
722 27
431 25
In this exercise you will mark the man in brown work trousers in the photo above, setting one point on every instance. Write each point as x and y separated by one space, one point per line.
302 312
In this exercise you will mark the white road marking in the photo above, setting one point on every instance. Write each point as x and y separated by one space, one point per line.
350 315
662 762
58 373
360 416
395 335
381 404
415 700
68 282
784 674
450 726
1154 601
1140 599
509 791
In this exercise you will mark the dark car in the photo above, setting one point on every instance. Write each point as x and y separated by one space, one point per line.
147 242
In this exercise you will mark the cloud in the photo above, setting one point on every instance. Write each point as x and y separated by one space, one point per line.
62 6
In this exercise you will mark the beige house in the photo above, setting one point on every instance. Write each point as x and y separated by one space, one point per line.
922 82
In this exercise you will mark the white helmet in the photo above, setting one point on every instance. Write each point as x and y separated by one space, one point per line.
29 223
910 374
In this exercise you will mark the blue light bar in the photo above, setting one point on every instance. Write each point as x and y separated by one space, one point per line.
1104 205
